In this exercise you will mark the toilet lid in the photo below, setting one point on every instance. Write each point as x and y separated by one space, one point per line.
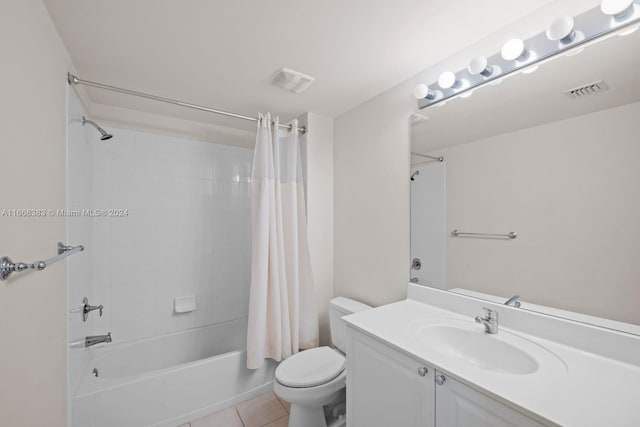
310 367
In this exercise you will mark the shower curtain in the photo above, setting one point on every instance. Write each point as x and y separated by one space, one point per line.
282 310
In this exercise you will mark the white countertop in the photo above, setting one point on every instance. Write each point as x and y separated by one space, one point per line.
587 390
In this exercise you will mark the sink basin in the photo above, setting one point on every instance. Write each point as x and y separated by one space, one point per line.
502 352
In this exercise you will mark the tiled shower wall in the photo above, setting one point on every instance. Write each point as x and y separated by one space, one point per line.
79 195
183 229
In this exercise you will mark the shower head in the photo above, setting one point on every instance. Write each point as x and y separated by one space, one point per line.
103 134
413 175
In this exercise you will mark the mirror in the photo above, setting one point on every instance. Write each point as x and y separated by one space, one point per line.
560 170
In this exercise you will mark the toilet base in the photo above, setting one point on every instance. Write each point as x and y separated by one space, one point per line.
307 404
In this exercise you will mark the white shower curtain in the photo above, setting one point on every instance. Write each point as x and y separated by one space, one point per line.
282 309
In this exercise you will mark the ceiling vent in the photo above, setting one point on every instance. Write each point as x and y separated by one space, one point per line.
291 80
587 90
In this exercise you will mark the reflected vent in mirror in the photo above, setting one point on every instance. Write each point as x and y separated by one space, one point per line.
587 90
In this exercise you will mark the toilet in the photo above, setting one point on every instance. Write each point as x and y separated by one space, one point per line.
313 378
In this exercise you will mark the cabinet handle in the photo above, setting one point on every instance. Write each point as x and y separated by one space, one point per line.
440 379
422 371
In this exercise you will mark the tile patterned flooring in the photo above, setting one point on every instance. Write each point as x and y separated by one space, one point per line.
263 411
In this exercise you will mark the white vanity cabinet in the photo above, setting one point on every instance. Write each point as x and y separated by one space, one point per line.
387 388
458 405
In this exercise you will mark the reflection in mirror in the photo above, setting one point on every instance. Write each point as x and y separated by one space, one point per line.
553 156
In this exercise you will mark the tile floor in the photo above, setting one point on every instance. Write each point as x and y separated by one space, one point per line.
263 411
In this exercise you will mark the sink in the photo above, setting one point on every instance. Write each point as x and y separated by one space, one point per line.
502 352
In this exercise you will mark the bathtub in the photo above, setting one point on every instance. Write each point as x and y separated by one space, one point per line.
169 380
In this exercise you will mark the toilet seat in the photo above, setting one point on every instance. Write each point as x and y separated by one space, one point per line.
310 368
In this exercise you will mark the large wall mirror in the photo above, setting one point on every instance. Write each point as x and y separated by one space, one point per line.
561 170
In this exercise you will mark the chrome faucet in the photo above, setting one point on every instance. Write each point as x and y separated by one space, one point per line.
86 309
490 321
97 339
514 301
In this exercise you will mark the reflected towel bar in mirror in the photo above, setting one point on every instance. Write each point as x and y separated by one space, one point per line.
509 235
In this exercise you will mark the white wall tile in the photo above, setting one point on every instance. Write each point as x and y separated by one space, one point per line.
187 232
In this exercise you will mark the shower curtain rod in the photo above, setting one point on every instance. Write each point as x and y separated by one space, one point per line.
74 80
440 159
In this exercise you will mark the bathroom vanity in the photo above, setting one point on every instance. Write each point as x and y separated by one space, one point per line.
426 362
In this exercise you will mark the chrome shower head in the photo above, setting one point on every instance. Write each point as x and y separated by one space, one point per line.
413 175
103 134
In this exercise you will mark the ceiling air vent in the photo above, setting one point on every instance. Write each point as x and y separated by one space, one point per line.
587 90
291 80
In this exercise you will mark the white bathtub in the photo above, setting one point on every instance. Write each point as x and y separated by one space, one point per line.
169 380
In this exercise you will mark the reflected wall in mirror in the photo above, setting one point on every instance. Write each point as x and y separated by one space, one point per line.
560 170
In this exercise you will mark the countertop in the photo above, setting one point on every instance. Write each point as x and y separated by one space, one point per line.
588 389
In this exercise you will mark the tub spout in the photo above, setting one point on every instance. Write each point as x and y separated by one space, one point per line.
97 339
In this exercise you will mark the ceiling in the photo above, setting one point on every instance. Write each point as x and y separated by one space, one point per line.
222 54
527 100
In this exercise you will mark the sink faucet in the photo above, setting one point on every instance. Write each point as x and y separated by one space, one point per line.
490 321
97 339
514 301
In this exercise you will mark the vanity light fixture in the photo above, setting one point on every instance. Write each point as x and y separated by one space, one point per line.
618 9
574 52
448 80
514 50
480 65
629 31
562 30
422 91
567 35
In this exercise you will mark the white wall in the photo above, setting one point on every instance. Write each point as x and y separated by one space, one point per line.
561 191
319 171
371 161
33 385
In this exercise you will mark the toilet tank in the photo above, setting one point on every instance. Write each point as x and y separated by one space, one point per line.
339 307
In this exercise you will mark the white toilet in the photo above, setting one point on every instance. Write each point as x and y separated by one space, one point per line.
313 378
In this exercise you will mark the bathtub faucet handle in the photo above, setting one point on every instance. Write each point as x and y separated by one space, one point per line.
86 309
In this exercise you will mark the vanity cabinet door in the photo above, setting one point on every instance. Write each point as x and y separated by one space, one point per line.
386 388
458 405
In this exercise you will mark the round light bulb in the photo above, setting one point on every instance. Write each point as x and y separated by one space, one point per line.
421 91
480 65
447 80
513 50
561 29
616 8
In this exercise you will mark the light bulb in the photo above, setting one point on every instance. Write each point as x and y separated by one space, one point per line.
480 65
422 91
561 29
514 50
618 9
447 80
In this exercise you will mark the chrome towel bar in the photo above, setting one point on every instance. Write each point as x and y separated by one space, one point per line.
509 235
7 267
